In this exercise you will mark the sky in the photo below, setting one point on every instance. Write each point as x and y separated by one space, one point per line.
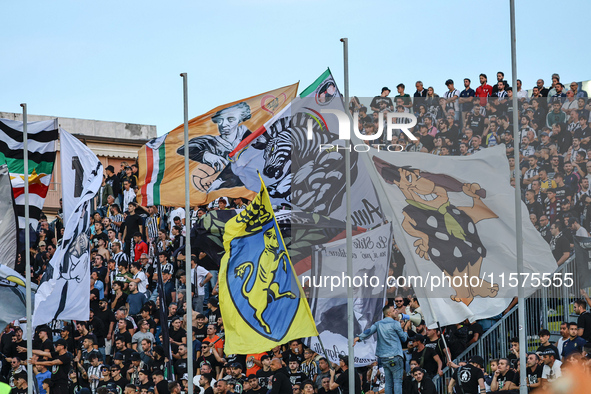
121 60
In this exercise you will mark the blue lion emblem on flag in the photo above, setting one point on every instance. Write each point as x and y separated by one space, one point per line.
260 280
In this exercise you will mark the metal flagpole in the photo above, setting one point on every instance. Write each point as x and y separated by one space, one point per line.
349 230
27 253
188 275
518 221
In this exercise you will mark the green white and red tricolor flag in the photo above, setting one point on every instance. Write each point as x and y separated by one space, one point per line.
42 137
155 164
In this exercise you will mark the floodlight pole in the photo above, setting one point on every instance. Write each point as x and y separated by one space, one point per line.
349 230
518 221
188 275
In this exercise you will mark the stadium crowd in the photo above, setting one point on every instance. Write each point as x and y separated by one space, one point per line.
120 349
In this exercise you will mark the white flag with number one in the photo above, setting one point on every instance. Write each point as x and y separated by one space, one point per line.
63 293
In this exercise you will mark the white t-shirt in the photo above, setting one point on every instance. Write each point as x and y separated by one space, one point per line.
142 285
582 232
180 212
552 373
201 274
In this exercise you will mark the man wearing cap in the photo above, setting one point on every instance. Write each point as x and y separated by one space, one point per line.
264 374
552 367
60 363
21 385
382 102
469 378
143 380
117 378
391 336
427 357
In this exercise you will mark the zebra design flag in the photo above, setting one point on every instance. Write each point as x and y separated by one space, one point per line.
41 145
213 136
63 292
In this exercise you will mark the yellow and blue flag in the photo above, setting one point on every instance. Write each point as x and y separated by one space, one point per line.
261 300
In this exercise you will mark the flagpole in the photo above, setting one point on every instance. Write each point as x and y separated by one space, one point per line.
188 276
349 230
518 221
27 252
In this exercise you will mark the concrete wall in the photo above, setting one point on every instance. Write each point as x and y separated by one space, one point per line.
94 128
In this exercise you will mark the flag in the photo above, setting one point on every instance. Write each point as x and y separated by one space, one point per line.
41 146
63 293
164 318
294 168
13 295
371 258
212 136
8 227
455 216
261 300
583 261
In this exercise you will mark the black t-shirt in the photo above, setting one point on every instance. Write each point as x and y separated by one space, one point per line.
466 378
562 246
126 336
475 328
180 367
428 362
296 377
261 390
213 315
264 378
504 379
176 336
162 387
132 224
209 359
584 322
97 327
121 383
208 390
533 377
15 352
59 372
381 103
343 382
200 333
439 348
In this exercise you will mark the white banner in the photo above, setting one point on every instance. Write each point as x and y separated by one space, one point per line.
455 216
8 227
65 291
371 257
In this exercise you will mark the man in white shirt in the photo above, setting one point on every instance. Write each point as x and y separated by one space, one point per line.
180 212
139 277
551 370
579 230
521 94
452 97
199 277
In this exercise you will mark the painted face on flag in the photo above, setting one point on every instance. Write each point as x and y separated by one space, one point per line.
228 120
